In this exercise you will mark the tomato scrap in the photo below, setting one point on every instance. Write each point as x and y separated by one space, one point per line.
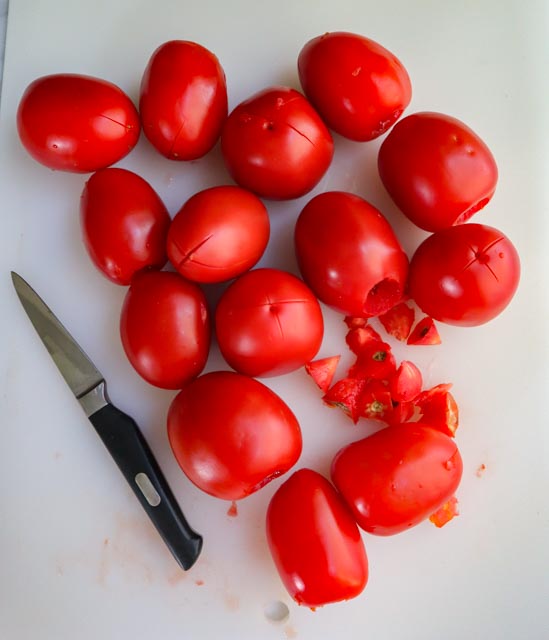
425 332
398 321
406 383
444 514
322 371
358 337
376 360
439 409
346 394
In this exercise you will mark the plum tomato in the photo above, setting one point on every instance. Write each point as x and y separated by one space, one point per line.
183 100
397 477
268 322
218 234
276 145
124 224
76 123
349 255
165 330
314 541
464 275
437 170
359 88
231 434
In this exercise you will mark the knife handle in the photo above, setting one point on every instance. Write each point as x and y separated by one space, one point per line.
132 454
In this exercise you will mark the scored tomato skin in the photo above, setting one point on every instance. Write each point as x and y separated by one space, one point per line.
276 145
397 477
124 224
165 329
464 275
76 123
437 170
183 100
315 542
359 87
349 255
231 434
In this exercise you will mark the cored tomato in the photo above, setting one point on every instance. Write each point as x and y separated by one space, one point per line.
165 328
124 224
349 255
359 88
76 123
315 542
231 434
268 322
437 170
183 100
218 234
465 275
397 477
276 145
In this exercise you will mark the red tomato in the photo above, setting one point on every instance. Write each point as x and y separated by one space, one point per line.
322 371
424 333
314 541
349 255
218 234
276 145
183 100
465 275
231 434
268 322
397 477
165 328
359 88
76 123
437 170
398 321
406 383
124 224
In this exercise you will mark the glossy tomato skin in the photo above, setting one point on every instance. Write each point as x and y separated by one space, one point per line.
276 145
437 170
268 322
231 434
397 477
359 88
76 123
183 100
124 224
465 275
315 542
165 330
218 234
349 255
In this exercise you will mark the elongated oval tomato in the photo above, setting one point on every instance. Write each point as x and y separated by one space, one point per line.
349 255
124 224
397 477
76 123
183 100
231 434
315 542
218 234
165 328
359 88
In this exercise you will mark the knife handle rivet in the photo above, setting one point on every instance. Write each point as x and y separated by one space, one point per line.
147 489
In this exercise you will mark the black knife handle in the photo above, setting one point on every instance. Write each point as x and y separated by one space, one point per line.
132 454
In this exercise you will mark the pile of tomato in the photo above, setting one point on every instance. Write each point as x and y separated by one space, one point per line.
229 432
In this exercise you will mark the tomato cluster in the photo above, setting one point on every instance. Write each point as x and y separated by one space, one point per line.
229 432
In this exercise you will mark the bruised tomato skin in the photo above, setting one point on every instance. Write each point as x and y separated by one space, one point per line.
76 123
231 434
183 100
465 275
124 224
397 477
218 234
321 557
349 255
268 322
276 145
437 170
359 88
165 330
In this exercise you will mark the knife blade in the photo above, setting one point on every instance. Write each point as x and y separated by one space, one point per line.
119 433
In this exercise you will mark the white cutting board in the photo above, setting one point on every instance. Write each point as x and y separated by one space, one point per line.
79 559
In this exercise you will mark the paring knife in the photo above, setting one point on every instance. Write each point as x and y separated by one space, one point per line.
119 432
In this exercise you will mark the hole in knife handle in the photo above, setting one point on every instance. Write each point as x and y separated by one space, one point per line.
147 489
